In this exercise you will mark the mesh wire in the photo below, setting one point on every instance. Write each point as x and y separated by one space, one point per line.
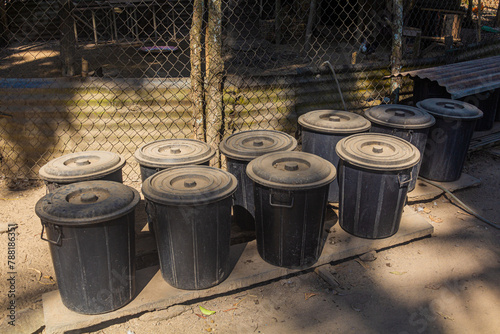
127 82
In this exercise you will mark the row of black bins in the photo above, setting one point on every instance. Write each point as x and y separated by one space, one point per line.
289 187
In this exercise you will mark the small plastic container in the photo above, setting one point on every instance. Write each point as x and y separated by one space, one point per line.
190 207
82 166
90 230
291 194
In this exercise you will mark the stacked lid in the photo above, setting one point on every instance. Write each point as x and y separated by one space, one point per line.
88 202
378 152
451 109
174 152
400 116
81 166
291 170
189 185
334 122
247 145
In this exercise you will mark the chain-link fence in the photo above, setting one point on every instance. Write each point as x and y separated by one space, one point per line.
114 75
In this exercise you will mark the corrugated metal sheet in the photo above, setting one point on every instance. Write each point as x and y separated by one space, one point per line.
465 78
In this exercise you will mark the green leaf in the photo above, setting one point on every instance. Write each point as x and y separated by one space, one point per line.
205 311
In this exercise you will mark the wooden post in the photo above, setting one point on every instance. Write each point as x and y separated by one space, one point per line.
197 83
214 77
277 22
397 49
68 42
310 26
479 20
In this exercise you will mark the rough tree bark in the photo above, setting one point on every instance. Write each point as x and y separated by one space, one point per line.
214 75
397 48
68 41
197 82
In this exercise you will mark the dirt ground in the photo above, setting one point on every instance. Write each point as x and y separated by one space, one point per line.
447 283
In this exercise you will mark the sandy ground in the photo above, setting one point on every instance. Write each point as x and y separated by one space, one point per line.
447 283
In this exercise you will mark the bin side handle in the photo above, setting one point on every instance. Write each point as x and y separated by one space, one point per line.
58 229
281 205
403 182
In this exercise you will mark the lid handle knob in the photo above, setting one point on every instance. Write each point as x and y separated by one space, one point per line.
378 149
82 162
334 119
449 106
400 113
89 198
291 166
258 143
190 183
175 150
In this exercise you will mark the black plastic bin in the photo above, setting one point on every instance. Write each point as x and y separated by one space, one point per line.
448 139
486 101
90 229
239 149
410 123
323 129
166 153
190 208
291 192
82 166
374 174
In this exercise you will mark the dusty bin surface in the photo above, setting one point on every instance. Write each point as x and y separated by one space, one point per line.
291 193
166 153
448 139
239 149
409 123
82 166
190 208
322 130
374 174
90 230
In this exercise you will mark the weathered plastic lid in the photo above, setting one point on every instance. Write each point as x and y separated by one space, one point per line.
291 170
334 121
174 152
446 108
400 116
88 202
189 185
247 145
376 151
81 166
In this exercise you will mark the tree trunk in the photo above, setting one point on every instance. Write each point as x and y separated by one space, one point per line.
197 86
310 26
397 49
497 18
277 22
214 76
4 34
68 41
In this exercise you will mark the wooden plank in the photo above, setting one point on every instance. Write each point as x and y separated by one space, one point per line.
248 269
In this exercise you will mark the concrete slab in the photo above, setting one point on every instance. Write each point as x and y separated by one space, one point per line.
249 269
424 191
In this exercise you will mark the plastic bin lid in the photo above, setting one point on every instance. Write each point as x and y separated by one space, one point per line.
174 152
454 109
189 185
87 202
400 116
81 166
334 121
376 151
247 145
291 170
